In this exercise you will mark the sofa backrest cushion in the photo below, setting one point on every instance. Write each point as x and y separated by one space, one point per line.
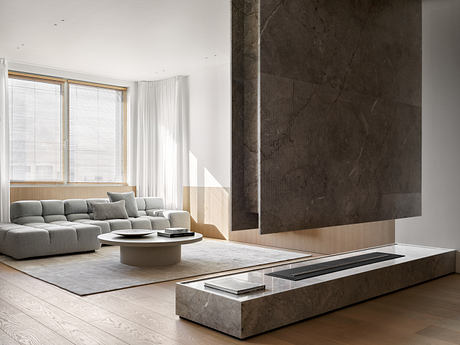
28 211
76 209
53 210
149 206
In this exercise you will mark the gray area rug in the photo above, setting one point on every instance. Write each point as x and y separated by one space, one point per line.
85 274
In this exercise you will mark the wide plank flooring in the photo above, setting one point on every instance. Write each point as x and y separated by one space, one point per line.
34 312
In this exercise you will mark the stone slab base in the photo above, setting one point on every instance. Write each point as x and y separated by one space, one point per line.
285 302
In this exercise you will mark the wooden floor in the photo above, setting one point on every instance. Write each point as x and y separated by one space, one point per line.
34 312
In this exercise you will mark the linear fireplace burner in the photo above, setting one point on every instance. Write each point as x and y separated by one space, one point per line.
309 271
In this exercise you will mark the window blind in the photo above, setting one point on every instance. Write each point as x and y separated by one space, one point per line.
36 130
95 134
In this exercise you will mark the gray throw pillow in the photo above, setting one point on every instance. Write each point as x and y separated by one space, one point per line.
130 202
114 210
91 202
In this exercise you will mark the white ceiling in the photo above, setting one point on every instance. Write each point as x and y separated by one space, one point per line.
120 39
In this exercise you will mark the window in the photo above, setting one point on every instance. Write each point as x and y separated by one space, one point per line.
95 134
83 142
36 130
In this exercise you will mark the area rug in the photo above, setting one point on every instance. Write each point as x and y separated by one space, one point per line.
101 271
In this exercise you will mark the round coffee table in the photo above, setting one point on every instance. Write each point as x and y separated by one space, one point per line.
150 250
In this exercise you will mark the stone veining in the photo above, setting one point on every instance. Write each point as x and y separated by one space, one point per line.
340 119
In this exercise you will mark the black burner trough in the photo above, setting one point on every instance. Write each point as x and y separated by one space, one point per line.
309 271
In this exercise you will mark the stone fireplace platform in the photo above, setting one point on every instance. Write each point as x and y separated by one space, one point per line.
285 301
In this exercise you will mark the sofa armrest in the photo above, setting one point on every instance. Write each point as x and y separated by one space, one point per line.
178 219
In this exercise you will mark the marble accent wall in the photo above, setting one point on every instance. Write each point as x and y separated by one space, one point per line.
339 114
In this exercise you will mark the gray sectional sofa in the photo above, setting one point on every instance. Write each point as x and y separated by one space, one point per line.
50 227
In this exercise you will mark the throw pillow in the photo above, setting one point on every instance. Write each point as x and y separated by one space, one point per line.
91 202
130 202
114 210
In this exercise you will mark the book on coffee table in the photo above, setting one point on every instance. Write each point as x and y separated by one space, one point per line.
183 234
176 230
234 286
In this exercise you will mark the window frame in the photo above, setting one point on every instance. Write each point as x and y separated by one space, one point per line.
65 128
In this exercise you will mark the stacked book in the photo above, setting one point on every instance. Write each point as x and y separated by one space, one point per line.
176 232
234 286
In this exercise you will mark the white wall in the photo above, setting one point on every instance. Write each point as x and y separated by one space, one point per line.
439 224
210 126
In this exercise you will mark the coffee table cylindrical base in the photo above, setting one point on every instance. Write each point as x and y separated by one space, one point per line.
150 256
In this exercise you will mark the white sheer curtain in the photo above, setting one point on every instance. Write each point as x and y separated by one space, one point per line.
162 139
4 144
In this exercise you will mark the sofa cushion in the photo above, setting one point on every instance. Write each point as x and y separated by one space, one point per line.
102 224
4 229
113 210
91 202
177 218
140 204
53 210
140 223
75 206
77 216
54 218
63 237
154 213
119 224
85 232
29 219
41 239
129 199
24 241
75 209
52 207
159 223
28 211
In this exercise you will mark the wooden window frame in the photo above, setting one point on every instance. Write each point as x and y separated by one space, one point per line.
65 128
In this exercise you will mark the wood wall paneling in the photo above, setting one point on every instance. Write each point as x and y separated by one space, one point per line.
329 240
63 192
210 209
